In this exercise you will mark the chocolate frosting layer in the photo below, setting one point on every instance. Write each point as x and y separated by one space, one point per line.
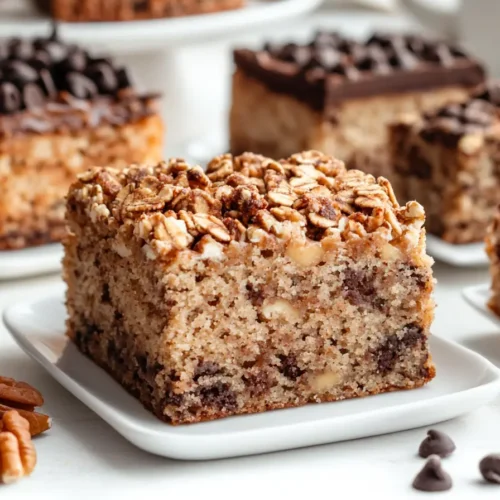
47 85
332 68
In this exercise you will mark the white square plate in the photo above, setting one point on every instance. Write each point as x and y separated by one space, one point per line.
478 297
464 382
30 261
464 255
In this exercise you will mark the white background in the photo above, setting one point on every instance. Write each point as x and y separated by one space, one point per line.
83 458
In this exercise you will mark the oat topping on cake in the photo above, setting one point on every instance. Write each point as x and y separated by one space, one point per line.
171 205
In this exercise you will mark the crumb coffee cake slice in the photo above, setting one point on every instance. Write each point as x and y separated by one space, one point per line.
254 286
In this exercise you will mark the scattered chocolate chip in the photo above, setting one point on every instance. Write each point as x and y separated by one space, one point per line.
80 86
47 83
10 98
433 477
20 49
436 443
490 468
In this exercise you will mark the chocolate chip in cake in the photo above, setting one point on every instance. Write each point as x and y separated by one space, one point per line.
490 468
206 369
436 443
388 354
433 477
359 288
219 395
10 98
289 367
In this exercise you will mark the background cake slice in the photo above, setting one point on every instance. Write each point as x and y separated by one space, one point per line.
337 95
449 161
61 112
130 10
255 286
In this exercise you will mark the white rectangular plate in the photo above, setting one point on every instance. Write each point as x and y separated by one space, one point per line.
464 382
464 255
478 297
30 261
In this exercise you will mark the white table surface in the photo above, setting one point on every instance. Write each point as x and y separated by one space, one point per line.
82 457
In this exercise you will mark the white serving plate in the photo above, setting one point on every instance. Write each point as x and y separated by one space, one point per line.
30 261
465 255
464 382
478 297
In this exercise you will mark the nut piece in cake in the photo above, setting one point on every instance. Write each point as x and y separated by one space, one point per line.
338 95
257 285
62 111
131 10
448 160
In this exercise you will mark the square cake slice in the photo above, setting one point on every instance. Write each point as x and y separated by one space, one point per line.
449 160
257 285
63 111
338 95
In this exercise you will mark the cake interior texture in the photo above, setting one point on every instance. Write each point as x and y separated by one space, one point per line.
259 285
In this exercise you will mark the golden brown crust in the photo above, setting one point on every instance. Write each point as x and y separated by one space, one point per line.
125 10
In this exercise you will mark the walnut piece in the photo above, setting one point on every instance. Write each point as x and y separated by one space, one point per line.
17 452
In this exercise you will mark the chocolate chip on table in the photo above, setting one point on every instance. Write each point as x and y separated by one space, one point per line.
490 468
436 443
10 98
80 86
433 477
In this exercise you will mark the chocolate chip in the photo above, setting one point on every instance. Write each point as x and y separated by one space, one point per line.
80 86
254 294
433 477
418 165
20 49
103 75
33 96
490 468
206 369
436 443
105 295
439 53
76 61
124 81
359 288
289 367
257 383
173 399
388 354
56 50
219 395
402 58
47 83
10 98
20 71
41 59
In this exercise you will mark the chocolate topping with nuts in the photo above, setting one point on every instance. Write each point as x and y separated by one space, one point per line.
451 122
332 68
247 198
37 74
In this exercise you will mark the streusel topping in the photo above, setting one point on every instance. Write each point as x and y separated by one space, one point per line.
309 195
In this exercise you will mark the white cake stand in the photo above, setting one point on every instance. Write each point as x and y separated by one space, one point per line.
153 50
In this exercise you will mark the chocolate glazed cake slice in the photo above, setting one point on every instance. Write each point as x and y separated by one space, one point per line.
338 95
61 112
